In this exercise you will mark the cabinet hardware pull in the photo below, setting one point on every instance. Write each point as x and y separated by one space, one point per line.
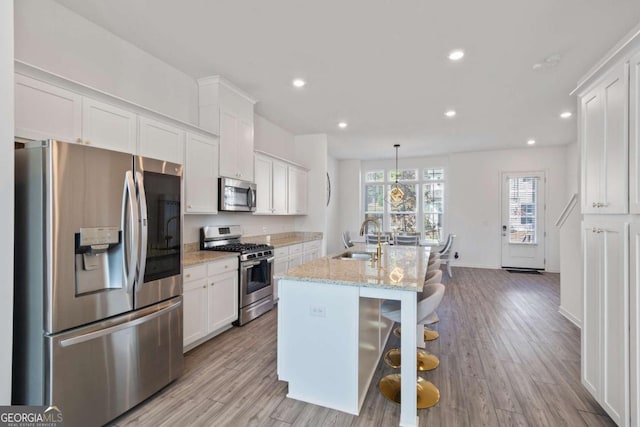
594 205
188 275
204 287
211 284
79 140
87 142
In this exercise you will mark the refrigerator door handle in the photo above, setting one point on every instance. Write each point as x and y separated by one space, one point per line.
141 316
132 236
142 201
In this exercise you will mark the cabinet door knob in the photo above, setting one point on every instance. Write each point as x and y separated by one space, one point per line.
188 275
87 142
212 284
79 140
204 287
190 206
594 205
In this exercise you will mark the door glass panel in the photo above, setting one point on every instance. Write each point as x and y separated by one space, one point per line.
523 210
163 219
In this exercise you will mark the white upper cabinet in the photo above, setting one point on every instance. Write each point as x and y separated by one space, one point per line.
264 184
279 188
236 146
107 126
160 141
272 189
43 111
297 185
604 140
201 174
634 134
228 111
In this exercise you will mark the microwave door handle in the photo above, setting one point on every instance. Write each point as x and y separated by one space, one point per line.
253 197
142 200
249 197
131 234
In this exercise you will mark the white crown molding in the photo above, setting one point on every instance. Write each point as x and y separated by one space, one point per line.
630 41
204 81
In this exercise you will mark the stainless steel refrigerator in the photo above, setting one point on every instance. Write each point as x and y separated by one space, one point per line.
98 283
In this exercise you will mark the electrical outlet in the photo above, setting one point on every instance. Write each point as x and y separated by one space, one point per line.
456 255
318 310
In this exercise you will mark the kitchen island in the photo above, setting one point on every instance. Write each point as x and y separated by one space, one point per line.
331 333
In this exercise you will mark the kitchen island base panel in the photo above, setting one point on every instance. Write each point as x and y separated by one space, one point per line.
330 339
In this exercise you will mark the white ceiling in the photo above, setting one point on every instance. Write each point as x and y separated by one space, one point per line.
382 65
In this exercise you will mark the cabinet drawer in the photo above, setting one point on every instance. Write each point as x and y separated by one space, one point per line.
296 249
195 272
309 246
282 252
222 266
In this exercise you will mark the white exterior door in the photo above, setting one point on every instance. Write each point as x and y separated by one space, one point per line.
523 225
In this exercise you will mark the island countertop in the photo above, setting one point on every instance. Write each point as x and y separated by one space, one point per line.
402 268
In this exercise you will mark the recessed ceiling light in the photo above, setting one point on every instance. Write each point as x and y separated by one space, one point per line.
456 55
531 141
342 125
299 82
566 114
450 113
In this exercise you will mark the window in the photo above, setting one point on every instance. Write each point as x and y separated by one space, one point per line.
422 208
374 197
433 199
522 210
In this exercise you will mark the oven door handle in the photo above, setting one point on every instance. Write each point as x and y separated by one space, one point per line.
248 264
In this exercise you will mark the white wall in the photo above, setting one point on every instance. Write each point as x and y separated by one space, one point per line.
475 194
6 195
571 287
349 195
333 228
272 139
473 198
52 37
311 151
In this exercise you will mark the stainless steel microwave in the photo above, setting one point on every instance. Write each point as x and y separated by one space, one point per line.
236 195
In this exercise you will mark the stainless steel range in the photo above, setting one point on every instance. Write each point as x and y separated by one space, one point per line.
256 269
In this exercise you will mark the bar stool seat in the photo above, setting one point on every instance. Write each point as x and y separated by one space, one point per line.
428 393
432 277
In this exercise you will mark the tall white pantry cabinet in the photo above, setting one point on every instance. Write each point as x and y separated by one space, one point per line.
609 135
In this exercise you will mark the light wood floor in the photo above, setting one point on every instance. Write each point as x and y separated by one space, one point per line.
507 358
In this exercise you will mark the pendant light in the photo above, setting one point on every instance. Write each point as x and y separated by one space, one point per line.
396 194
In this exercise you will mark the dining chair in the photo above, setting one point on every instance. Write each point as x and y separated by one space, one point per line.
445 253
406 240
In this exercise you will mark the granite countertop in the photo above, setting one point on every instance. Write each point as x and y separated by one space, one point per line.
402 268
193 255
278 240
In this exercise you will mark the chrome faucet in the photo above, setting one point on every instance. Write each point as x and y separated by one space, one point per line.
378 228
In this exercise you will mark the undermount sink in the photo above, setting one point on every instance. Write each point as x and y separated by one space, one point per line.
361 256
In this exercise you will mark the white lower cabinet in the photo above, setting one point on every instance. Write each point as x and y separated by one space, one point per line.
210 300
605 329
288 257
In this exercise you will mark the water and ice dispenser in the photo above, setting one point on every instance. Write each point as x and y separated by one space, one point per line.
98 258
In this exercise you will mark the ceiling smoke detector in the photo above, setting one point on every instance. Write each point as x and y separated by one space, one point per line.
549 62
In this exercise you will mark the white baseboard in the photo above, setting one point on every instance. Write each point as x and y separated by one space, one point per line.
570 317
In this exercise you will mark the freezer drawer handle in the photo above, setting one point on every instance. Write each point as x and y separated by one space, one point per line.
110 330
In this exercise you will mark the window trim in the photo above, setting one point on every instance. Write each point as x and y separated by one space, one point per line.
419 183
